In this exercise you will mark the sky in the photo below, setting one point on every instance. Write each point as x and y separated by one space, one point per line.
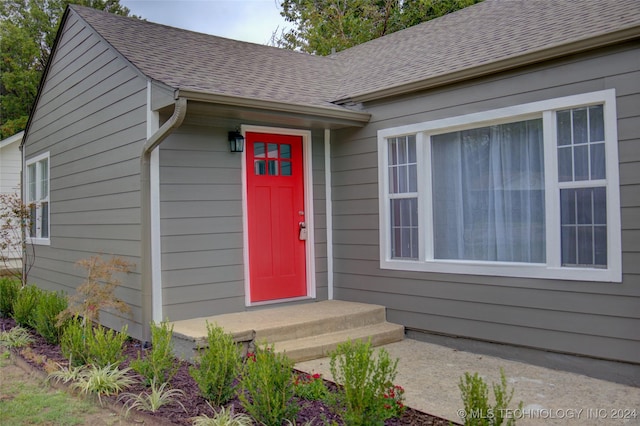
246 20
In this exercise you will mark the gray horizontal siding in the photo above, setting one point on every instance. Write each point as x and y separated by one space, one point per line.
587 318
201 222
90 116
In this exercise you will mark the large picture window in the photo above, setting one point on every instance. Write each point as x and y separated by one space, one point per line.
527 191
37 198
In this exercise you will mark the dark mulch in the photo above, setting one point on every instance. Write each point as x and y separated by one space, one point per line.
195 405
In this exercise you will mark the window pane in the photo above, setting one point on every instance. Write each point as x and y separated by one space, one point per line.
402 179
584 240
580 126
393 180
44 178
31 170
404 228
569 245
488 193
563 119
411 147
402 150
581 162
600 245
44 229
393 151
33 220
413 178
565 164
596 123
598 169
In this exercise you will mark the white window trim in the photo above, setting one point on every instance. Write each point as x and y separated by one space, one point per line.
37 159
552 268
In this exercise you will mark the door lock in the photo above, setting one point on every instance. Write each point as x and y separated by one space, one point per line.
303 231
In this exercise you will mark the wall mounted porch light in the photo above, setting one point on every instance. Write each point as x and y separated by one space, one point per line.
236 142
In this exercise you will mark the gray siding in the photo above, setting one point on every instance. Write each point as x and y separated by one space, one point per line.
587 318
91 117
201 223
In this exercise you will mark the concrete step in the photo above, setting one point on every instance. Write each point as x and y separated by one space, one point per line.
293 328
319 346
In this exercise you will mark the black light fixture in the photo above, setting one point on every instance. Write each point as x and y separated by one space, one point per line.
236 141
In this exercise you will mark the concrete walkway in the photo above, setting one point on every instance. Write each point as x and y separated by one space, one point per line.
430 374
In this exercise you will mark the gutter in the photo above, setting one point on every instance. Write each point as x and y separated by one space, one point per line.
336 113
152 143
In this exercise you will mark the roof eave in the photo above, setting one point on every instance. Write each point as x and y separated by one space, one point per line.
530 58
342 114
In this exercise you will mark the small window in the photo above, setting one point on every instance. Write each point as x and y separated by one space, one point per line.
37 198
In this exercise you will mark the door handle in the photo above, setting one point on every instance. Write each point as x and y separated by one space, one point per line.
303 231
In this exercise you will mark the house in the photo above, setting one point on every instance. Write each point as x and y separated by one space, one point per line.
476 174
10 167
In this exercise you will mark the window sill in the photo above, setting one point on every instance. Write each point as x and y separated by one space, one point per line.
506 269
39 241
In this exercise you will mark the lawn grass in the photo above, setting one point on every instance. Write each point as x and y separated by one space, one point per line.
31 402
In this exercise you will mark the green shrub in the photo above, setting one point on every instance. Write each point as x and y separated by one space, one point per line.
25 304
159 364
99 345
267 388
17 337
477 409
45 316
364 379
9 288
105 346
73 342
217 366
310 387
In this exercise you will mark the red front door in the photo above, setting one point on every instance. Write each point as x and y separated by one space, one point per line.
275 208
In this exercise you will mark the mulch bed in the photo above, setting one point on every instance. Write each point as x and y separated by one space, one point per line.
195 405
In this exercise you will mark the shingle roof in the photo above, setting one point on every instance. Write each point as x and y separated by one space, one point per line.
488 32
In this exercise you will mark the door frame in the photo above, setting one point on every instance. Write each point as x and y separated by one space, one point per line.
308 209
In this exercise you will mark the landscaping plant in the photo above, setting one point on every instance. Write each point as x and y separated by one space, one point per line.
97 292
9 288
310 387
364 379
25 304
17 337
157 397
267 387
92 345
45 315
217 366
99 381
224 417
158 364
477 408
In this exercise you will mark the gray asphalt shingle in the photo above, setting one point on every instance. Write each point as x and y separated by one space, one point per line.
491 31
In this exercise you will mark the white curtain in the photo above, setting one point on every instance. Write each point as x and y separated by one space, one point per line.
488 193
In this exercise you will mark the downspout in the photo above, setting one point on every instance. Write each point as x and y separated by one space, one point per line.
145 211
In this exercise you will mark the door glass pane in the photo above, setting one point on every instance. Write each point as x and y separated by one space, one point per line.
259 167
272 150
285 168
273 167
285 150
258 149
